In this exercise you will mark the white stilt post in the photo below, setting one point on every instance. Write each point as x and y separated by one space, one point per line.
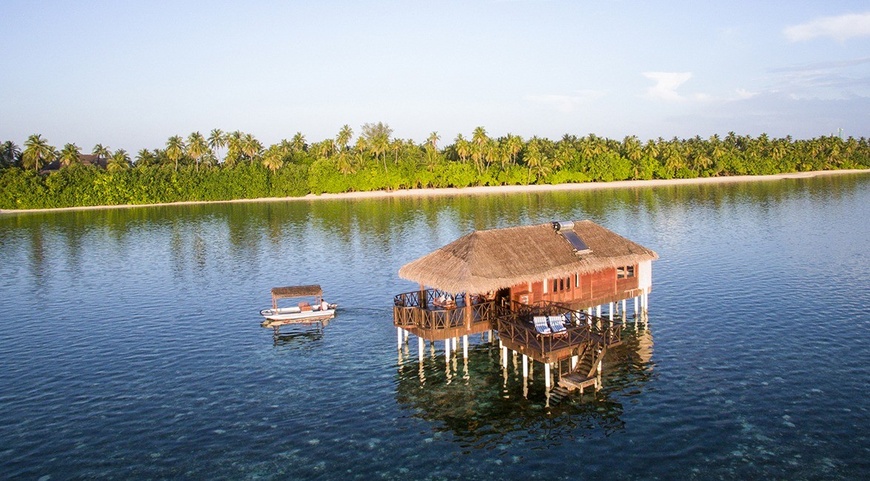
465 346
525 366
635 305
598 310
421 344
406 335
610 310
547 375
623 308
447 350
504 357
574 360
399 337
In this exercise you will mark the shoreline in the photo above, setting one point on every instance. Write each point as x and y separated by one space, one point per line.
480 190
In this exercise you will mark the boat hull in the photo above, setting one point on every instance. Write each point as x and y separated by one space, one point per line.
294 314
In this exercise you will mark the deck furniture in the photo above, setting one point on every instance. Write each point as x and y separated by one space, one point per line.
557 324
541 325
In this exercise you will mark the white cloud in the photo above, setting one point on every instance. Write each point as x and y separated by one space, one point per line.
667 84
567 103
743 94
840 28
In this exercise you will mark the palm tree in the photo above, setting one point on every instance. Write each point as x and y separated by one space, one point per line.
145 158
175 149
69 155
234 148
273 159
462 147
251 147
9 153
102 152
361 147
377 139
535 160
514 144
119 161
216 141
479 142
343 137
37 152
298 143
197 146
431 148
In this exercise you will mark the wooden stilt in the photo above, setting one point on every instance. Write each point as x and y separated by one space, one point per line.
610 310
399 337
504 353
447 350
465 346
598 311
525 366
421 345
547 375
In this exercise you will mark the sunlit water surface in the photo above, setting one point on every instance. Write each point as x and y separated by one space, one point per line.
131 347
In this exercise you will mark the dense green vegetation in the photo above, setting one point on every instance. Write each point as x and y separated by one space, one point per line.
225 166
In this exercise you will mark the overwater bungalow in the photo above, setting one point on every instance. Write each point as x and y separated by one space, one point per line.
541 288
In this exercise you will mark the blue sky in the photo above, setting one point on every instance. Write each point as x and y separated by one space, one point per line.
130 74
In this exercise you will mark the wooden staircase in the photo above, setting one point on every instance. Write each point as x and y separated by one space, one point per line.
585 374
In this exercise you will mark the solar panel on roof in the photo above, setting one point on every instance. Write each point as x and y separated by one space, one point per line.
576 242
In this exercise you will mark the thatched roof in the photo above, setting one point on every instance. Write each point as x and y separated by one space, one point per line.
296 291
494 259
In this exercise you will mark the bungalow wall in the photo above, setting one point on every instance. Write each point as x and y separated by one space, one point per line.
585 290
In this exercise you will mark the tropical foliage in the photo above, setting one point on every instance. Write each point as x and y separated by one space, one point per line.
235 165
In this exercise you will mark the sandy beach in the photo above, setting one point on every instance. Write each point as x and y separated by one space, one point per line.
502 189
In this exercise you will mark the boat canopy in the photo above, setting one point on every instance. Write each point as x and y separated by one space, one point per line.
313 290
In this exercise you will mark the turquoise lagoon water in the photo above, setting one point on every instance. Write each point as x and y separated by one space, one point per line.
131 348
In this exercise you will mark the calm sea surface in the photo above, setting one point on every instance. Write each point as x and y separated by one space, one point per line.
131 346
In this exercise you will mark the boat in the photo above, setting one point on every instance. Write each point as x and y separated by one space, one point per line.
311 309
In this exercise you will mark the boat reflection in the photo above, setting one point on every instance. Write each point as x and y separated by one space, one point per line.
296 335
480 403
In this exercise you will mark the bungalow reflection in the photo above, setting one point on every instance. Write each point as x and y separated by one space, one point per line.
479 401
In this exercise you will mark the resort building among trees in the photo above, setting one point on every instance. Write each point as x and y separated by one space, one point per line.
541 288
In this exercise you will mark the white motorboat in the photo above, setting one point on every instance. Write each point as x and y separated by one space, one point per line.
312 310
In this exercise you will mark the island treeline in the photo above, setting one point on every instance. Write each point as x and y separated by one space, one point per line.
235 165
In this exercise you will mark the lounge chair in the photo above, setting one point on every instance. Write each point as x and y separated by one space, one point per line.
541 325
557 324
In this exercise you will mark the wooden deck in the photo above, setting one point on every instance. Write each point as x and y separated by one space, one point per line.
421 314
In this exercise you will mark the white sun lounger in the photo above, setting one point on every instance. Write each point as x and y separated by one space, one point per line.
557 324
541 325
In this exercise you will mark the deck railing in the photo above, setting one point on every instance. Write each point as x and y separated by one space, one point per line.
409 311
518 328
513 320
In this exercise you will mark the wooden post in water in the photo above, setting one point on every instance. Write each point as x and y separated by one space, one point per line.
421 344
547 375
447 351
598 310
610 310
525 366
465 346
504 352
399 336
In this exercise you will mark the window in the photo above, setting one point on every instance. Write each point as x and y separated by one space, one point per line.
624 272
